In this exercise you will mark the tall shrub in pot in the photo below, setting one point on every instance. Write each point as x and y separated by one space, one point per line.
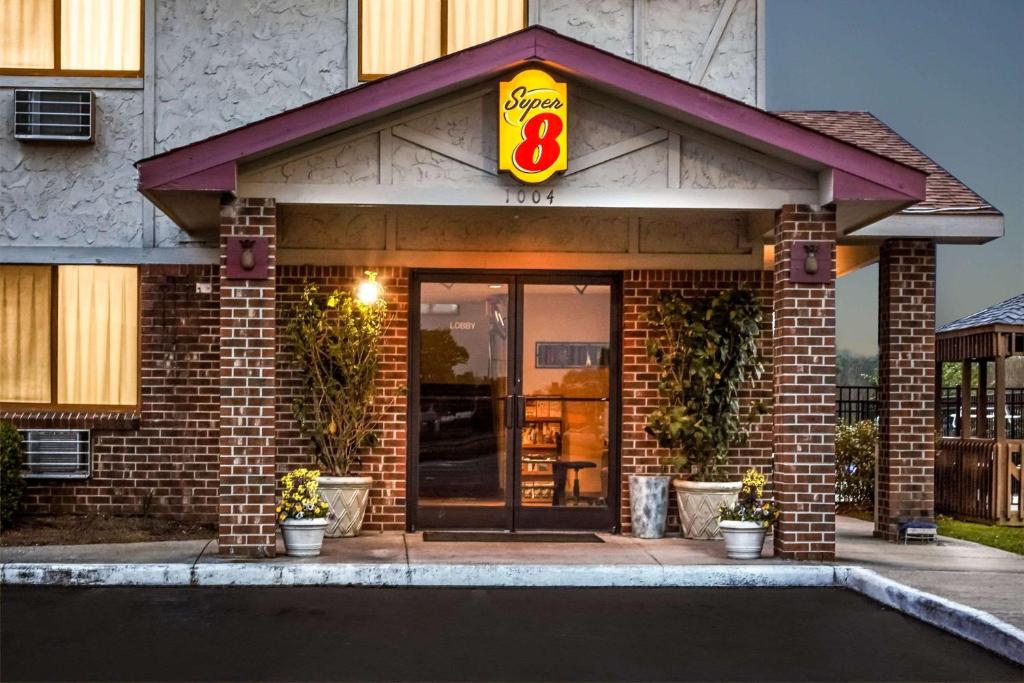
705 349
335 339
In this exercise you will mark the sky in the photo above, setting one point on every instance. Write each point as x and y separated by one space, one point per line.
947 75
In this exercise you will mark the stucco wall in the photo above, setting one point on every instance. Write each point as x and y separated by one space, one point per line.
73 194
224 63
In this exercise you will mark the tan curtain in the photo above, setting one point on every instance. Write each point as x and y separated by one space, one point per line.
97 335
25 334
471 22
397 34
26 34
101 35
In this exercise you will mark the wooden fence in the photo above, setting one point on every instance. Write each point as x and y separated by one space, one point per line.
979 479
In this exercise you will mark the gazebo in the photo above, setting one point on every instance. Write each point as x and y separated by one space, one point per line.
978 468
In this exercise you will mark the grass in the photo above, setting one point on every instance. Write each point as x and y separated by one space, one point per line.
1006 538
88 529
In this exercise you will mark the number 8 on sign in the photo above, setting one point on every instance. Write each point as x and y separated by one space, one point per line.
532 126
539 149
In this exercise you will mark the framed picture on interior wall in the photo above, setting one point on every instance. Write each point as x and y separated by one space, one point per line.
570 354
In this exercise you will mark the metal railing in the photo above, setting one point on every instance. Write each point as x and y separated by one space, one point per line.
855 404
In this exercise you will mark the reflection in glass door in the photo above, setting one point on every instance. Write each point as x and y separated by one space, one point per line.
461 388
514 402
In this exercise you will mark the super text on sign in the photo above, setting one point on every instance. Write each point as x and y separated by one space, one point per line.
532 126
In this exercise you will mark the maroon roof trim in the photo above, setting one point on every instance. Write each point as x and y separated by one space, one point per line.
846 187
534 43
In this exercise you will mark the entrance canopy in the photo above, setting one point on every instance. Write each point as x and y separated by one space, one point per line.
633 132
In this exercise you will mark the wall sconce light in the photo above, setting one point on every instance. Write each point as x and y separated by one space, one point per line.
247 258
369 291
810 261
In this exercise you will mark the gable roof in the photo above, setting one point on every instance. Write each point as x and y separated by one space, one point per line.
1009 312
210 165
943 192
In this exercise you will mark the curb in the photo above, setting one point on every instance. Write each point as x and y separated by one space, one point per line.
418 575
980 628
968 623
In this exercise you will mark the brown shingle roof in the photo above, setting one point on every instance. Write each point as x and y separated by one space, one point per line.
943 192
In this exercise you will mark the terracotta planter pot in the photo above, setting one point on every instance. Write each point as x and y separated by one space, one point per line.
698 505
743 540
347 498
303 537
648 503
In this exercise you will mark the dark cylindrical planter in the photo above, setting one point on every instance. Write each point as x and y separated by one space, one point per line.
648 503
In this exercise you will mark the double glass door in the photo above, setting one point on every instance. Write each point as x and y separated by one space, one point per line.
514 401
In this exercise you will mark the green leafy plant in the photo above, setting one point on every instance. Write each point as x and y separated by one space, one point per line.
855 463
750 506
335 340
705 349
301 497
12 484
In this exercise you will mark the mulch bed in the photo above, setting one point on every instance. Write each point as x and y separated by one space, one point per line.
86 529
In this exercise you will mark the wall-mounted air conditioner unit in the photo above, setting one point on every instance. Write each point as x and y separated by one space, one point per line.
54 115
57 453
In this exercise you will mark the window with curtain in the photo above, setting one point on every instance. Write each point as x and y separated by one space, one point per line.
71 37
398 34
70 336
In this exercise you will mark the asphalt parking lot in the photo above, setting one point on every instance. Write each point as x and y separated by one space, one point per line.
382 634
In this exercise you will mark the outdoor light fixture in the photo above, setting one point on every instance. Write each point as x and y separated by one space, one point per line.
248 257
369 291
810 261
247 260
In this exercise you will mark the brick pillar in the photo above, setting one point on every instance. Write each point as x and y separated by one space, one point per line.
247 390
804 366
906 373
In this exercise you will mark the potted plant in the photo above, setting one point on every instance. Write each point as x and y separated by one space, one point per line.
745 523
303 513
705 350
335 340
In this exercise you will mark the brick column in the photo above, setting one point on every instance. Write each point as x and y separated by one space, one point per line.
804 366
906 373
247 390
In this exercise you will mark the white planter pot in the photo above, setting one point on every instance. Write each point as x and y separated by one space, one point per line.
303 537
347 497
743 540
698 505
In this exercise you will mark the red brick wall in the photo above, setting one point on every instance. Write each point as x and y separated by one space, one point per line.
640 454
247 523
386 463
906 365
164 455
805 378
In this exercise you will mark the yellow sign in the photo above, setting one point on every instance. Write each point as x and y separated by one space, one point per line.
532 126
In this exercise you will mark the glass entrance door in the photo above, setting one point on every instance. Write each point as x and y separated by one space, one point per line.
513 402
567 332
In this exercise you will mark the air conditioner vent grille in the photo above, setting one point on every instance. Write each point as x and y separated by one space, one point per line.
60 115
57 453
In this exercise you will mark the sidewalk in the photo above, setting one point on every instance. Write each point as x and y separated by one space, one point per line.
985 578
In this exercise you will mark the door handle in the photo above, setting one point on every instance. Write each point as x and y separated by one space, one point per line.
510 412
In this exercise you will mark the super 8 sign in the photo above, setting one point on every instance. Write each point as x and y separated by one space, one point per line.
532 126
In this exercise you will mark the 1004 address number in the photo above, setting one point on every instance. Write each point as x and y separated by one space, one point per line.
523 196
